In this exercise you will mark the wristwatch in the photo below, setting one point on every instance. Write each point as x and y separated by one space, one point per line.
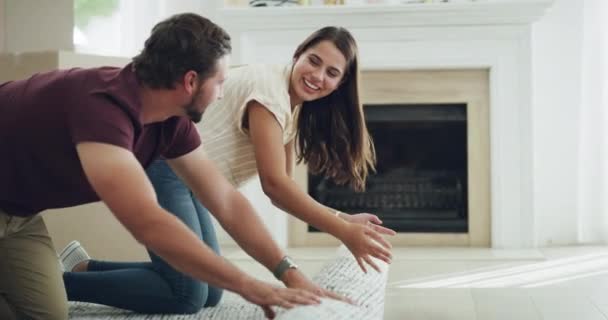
285 264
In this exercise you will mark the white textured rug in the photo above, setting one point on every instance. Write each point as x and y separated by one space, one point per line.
341 275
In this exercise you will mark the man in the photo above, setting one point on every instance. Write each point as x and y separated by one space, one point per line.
77 136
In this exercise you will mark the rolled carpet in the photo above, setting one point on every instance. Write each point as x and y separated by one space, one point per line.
341 275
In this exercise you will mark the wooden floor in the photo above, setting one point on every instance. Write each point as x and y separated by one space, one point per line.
568 283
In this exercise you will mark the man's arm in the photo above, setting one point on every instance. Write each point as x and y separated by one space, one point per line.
232 210
119 180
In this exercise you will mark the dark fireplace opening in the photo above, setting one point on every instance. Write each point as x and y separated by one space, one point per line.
421 180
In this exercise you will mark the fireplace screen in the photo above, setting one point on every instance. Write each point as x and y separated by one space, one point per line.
421 179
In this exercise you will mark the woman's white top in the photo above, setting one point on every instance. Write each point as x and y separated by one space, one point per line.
223 137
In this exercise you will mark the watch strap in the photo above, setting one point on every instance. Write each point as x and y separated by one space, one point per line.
285 264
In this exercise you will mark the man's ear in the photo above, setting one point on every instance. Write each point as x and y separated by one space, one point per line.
190 81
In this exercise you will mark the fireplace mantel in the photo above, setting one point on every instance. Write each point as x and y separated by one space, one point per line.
491 35
501 12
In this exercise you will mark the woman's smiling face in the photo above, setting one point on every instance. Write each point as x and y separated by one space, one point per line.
317 72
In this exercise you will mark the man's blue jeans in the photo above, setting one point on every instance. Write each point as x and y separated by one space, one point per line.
152 287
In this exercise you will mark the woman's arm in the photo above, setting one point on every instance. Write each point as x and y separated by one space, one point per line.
289 158
266 135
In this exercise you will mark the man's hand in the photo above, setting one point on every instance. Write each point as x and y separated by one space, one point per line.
294 278
364 242
370 219
267 296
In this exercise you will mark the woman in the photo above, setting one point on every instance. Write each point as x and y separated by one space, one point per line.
251 131
313 103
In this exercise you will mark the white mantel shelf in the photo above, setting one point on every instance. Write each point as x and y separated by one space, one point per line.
497 12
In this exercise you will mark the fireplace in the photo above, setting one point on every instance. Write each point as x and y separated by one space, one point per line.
420 184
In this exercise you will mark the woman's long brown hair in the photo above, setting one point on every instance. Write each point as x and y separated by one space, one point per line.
332 137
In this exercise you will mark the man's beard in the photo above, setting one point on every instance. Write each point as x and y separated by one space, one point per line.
193 114
192 110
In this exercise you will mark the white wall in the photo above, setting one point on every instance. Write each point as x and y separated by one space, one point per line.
592 207
569 127
603 101
557 93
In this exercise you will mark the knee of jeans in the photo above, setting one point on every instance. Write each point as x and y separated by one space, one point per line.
193 300
214 296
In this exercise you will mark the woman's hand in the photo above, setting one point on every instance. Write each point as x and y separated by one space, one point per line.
369 219
266 296
365 242
293 278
